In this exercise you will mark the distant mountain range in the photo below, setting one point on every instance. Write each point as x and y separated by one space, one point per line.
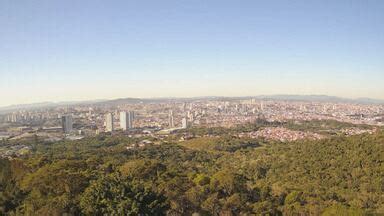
45 105
322 98
308 98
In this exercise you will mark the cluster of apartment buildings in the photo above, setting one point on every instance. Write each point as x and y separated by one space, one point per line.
85 120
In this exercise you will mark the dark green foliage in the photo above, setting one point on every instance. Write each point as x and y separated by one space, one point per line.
230 144
220 131
222 175
224 143
326 127
10 194
116 195
55 187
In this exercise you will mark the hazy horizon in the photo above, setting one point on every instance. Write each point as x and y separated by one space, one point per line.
261 96
86 50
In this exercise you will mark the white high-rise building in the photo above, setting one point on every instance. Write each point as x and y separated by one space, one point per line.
184 123
131 117
126 120
66 122
170 119
109 122
123 120
190 116
261 106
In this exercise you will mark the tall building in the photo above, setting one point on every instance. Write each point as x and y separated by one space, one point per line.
109 122
66 122
14 118
170 119
126 120
190 116
184 123
123 120
131 117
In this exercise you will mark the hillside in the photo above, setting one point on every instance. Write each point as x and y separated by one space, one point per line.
215 176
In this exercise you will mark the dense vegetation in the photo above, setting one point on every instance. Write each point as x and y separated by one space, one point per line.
324 127
211 176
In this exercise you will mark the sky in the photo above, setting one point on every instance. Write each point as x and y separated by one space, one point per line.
55 50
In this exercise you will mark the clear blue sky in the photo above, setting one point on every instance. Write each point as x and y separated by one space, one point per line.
54 50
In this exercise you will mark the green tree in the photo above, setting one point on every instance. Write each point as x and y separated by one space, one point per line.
116 195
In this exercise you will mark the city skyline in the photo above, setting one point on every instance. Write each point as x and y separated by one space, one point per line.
192 107
279 97
64 51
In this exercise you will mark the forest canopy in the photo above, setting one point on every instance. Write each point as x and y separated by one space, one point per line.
209 176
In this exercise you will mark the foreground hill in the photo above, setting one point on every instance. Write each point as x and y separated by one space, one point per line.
220 176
